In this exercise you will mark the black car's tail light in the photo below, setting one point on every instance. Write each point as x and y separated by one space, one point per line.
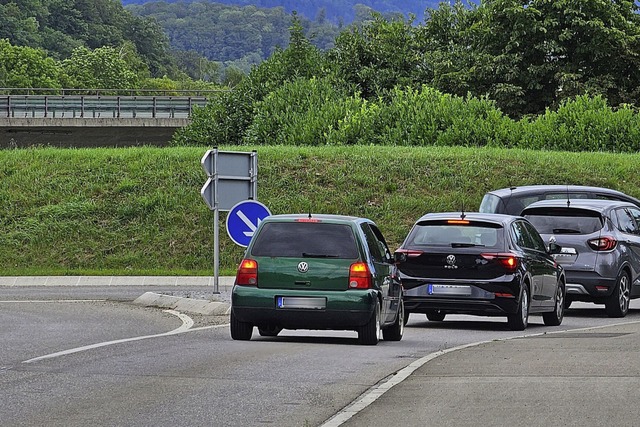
247 274
507 260
602 243
401 255
359 276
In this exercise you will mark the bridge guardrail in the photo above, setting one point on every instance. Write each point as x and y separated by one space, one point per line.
98 106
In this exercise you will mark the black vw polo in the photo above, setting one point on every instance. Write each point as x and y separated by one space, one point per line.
480 264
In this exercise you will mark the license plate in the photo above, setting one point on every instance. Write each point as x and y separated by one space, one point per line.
458 290
307 303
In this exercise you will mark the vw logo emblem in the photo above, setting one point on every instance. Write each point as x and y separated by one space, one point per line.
303 267
451 259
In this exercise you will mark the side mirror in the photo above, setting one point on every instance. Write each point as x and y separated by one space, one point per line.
554 248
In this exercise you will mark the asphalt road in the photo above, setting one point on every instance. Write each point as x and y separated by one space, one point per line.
96 362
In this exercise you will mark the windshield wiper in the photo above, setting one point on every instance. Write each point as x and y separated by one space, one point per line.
308 255
565 231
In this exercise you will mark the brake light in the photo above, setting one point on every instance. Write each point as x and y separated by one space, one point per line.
506 259
359 276
602 244
409 253
307 220
457 221
247 274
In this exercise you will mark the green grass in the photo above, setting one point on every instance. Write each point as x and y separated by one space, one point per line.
134 211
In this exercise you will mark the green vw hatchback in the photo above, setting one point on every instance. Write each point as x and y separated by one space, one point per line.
318 272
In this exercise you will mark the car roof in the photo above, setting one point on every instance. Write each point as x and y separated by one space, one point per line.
598 205
536 189
321 217
471 216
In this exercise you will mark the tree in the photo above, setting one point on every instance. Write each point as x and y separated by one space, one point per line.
26 67
102 68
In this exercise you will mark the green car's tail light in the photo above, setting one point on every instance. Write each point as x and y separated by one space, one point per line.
247 274
359 276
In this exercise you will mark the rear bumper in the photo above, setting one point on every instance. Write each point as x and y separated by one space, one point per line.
481 301
344 310
581 285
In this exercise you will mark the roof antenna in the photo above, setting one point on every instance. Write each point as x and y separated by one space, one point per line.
568 201
462 215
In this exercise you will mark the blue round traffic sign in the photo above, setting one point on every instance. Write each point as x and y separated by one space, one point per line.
243 220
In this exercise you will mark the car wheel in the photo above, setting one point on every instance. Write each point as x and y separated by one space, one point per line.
519 320
435 316
406 316
395 331
269 331
369 334
617 305
240 330
555 317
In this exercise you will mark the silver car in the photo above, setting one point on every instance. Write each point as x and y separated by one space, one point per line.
600 241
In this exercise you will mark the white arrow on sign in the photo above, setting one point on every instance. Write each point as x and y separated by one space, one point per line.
247 221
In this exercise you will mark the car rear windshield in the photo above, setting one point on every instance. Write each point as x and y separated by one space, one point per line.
305 239
443 233
564 220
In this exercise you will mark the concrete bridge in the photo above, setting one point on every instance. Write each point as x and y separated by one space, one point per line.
93 120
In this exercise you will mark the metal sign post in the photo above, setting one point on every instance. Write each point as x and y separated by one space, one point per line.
232 178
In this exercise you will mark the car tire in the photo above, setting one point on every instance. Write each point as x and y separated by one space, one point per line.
435 316
406 316
241 331
554 318
519 320
369 334
617 305
269 331
396 330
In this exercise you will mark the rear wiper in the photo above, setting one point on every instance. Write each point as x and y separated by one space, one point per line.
565 231
464 245
308 255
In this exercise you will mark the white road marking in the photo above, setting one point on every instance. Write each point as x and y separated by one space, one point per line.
378 390
186 326
53 301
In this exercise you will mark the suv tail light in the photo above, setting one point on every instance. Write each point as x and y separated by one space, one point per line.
359 276
602 243
247 274
506 259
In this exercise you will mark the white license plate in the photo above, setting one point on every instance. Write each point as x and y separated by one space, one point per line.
458 290
309 303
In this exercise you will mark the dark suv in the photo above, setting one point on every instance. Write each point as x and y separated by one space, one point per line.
481 264
513 200
600 253
318 272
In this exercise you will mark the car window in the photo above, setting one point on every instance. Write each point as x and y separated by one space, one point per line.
626 222
300 239
536 241
520 235
384 248
564 220
441 233
490 203
635 214
377 251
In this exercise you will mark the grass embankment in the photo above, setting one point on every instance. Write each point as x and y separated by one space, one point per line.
138 210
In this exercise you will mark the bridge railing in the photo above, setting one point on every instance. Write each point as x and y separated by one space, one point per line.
98 106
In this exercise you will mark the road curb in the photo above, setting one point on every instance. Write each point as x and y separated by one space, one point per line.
187 305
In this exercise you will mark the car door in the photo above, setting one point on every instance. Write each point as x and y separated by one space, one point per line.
383 271
533 264
629 225
546 264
